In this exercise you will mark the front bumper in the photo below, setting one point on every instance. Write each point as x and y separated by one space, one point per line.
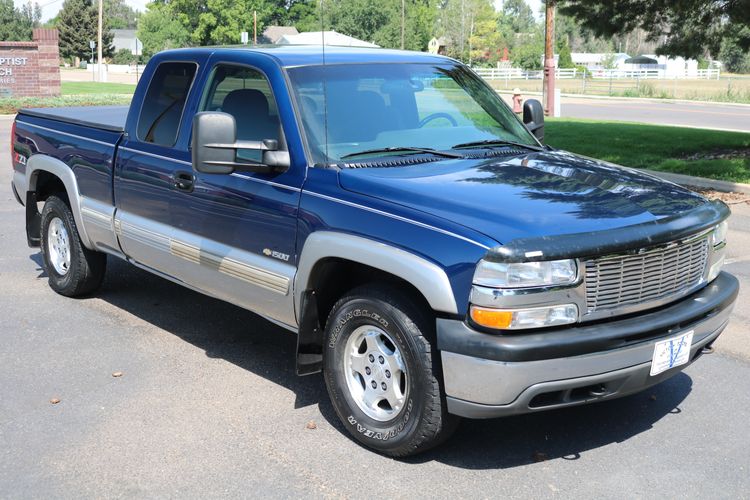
495 375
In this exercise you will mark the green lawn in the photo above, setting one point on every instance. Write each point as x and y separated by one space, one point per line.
654 147
74 94
86 88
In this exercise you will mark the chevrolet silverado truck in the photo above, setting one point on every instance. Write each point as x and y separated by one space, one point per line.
434 258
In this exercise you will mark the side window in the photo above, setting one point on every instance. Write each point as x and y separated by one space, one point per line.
162 108
245 94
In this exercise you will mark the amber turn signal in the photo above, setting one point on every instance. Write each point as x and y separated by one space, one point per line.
491 318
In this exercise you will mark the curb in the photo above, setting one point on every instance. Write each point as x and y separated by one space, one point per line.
689 180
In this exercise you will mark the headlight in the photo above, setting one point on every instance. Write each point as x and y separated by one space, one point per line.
526 274
719 234
518 319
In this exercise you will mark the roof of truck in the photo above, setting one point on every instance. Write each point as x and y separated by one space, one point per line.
303 55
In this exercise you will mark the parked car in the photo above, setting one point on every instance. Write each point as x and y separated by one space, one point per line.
434 258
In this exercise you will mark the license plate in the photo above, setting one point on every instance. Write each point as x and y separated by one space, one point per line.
671 352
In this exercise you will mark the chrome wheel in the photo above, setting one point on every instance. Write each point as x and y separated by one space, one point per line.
375 373
58 244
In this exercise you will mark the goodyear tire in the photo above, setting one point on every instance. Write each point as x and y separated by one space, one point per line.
73 269
382 373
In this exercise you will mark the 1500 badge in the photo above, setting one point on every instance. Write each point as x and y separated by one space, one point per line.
276 255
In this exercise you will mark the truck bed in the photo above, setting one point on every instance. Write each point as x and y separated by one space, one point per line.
111 118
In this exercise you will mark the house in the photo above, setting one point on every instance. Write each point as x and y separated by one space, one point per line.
438 46
272 34
126 39
594 60
318 37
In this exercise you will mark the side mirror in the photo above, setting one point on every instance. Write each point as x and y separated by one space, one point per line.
533 118
215 147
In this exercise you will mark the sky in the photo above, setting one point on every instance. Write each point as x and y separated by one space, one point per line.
51 7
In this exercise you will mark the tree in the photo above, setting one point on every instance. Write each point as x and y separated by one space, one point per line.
485 41
304 15
213 22
78 24
565 59
16 24
120 15
158 30
457 20
516 17
529 52
687 28
609 61
731 54
380 22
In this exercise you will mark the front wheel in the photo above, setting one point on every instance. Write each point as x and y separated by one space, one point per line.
381 372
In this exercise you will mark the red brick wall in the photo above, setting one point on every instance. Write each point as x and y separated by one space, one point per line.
31 68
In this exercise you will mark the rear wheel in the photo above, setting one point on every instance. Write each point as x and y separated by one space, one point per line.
382 372
73 269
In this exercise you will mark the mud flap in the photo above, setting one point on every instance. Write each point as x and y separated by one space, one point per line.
310 337
33 220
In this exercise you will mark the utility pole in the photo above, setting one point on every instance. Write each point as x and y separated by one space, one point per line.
255 27
99 45
403 21
549 58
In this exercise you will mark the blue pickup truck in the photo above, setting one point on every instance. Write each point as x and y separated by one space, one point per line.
434 258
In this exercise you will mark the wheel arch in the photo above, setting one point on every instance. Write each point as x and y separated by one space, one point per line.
333 263
325 247
44 175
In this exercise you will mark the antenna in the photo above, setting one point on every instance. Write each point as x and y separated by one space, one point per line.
325 88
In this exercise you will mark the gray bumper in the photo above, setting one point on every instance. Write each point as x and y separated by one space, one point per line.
498 375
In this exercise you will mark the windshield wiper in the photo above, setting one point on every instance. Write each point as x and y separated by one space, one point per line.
496 142
404 150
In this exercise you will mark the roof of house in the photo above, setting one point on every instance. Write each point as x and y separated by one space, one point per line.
272 34
320 37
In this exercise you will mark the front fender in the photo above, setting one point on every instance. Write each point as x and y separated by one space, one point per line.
427 277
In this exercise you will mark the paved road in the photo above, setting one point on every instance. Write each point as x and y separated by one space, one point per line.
209 406
719 116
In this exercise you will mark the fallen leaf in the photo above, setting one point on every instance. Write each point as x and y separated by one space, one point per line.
117 374
54 401
311 425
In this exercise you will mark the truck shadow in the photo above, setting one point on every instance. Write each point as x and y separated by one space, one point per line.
254 344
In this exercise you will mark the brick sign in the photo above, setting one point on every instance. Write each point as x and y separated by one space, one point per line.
31 68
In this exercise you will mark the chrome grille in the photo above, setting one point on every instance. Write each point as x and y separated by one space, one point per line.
650 276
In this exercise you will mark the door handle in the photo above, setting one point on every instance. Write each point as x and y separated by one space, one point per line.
183 181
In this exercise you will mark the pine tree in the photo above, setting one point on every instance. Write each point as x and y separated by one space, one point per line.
77 23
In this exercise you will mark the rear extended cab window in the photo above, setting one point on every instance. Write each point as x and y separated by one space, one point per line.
161 112
244 93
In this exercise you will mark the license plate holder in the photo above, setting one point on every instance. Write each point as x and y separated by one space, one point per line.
671 352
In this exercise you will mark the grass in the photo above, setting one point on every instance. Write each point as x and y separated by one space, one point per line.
655 147
88 88
731 88
74 94
12 105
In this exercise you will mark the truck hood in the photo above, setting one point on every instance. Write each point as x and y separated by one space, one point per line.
539 194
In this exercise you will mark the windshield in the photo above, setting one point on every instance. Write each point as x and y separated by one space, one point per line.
392 106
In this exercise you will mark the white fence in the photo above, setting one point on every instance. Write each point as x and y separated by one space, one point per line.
522 74
655 74
607 74
117 68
